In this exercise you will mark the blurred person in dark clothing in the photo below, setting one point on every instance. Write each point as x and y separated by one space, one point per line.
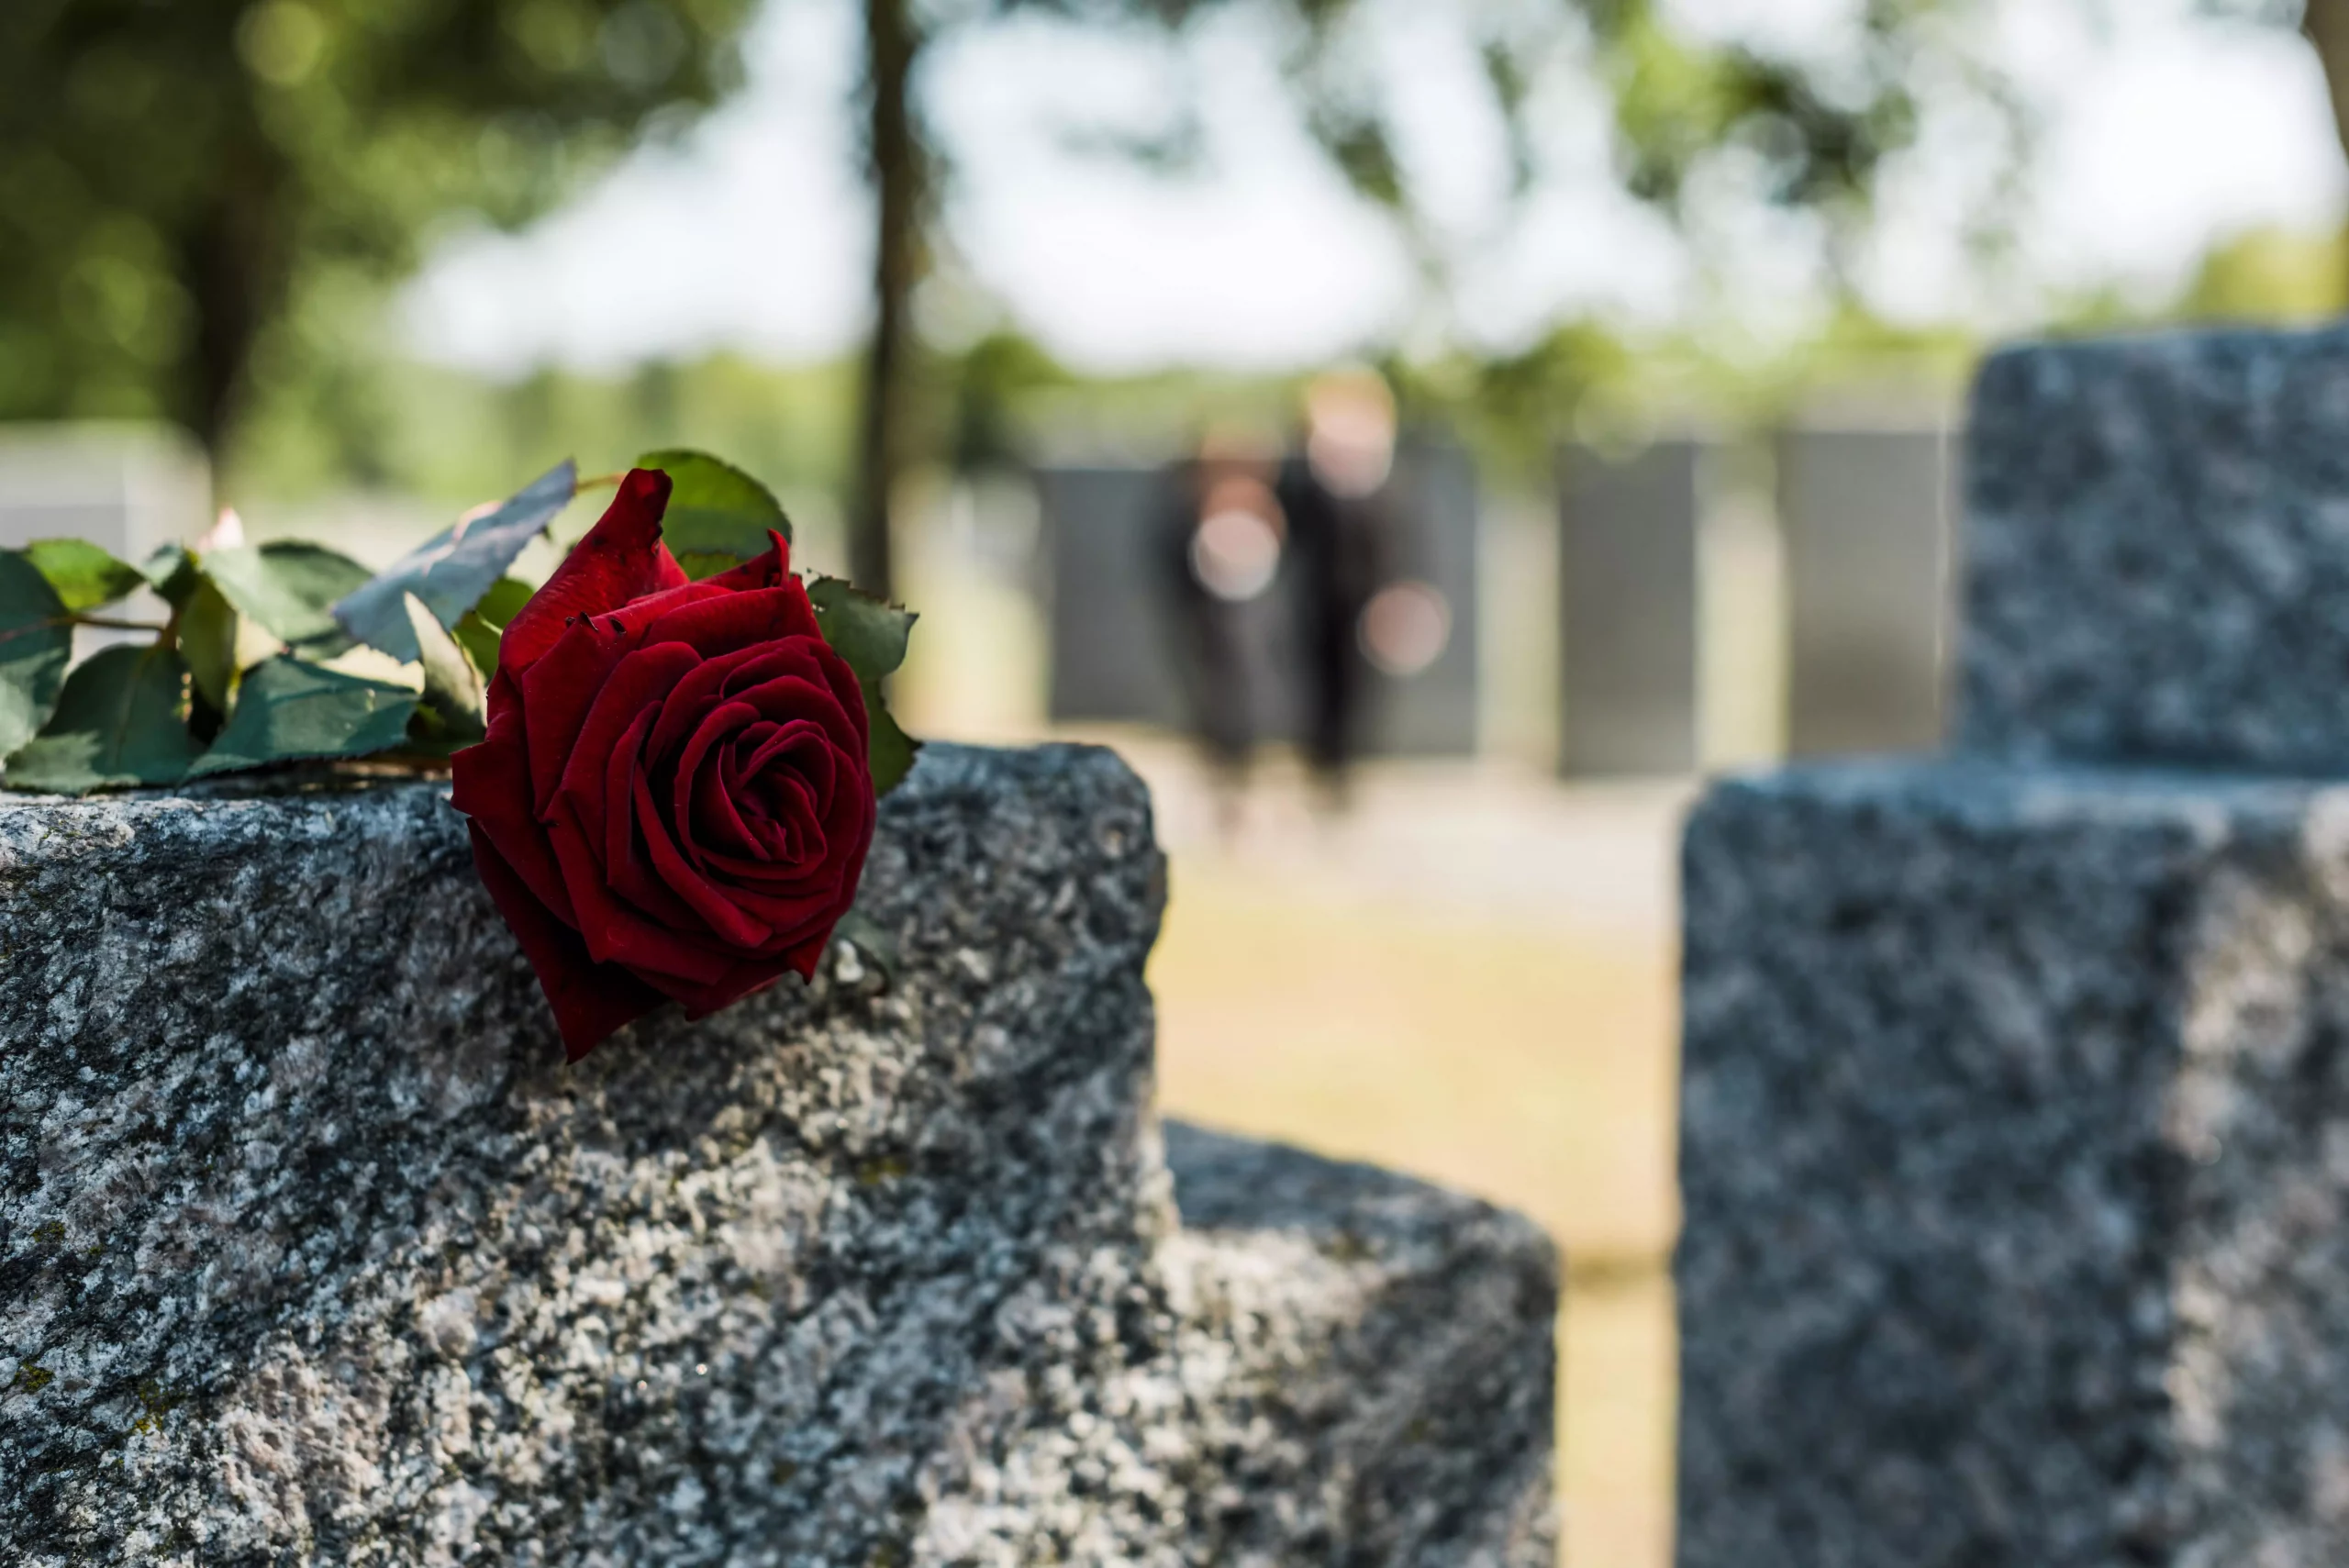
1220 537
1341 539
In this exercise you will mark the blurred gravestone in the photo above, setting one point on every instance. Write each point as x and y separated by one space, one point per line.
127 488
1862 514
1627 560
1112 646
1433 712
1108 614
2015 1115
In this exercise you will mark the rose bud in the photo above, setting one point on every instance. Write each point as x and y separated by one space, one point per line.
674 800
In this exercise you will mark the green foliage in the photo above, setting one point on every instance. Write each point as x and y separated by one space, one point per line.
36 642
290 710
450 572
452 688
718 514
477 630
2271 275
208 624
171 571
83 576
892 751
178 708
869 635
871 638
121 720
289 588
181 185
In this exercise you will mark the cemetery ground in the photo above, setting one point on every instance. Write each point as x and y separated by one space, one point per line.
1470 978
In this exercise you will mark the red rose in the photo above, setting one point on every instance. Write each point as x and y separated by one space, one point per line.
674 799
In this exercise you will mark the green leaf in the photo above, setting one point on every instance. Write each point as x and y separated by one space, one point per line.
890 752
504 602
208 643
479 639
83 576
457 568
478 629
290 587
36 644
451 688
121 720
288 710
718 514
699 565
871 637
171 571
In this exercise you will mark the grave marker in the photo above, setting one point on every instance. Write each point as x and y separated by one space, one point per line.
1863 515
1628 609
316 1252
2015 1120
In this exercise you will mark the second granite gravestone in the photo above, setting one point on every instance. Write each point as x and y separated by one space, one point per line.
2015 1125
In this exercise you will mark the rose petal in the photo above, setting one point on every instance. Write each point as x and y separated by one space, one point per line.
558 690
723 723
718 801
622 559
590 1001
801 958
723 623
759 571
613 932
628 871
492 788
726 919
697 692
769 570
635 686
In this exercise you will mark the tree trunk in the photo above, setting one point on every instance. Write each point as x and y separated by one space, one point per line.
2325 23
892 43
233 261
221 285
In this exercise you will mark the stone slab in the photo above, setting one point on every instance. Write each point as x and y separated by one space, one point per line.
1864 515
1627 609
1399 1339
312 1250
2157 546
1347 1367
130 488
2015 1158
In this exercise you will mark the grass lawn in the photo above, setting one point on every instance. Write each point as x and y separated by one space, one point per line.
1521 1059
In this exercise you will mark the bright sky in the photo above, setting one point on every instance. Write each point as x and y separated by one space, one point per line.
2166 132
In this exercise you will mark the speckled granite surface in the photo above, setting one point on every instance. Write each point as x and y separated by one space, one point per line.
312 1251
2156 551
2015 1152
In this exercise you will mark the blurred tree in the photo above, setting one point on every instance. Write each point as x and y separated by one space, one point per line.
2270 275
177 177
1807 133
2325 25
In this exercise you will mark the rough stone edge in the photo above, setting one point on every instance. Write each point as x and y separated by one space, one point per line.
1431 1423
